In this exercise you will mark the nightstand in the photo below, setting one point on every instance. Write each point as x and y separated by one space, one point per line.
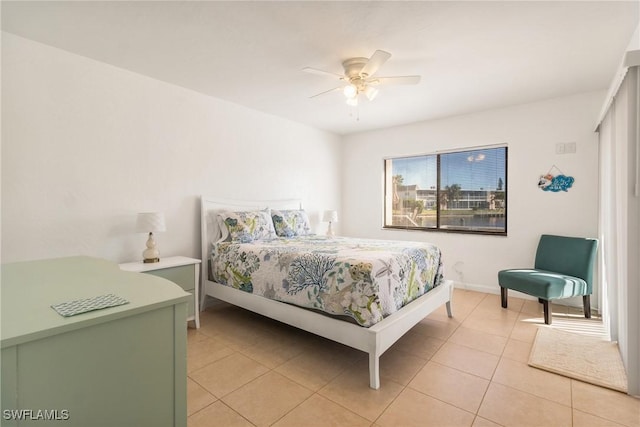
183 271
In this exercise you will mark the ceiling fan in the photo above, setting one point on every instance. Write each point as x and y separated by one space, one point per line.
358 77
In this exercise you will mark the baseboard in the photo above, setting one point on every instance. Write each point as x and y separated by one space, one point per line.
477 288
575 302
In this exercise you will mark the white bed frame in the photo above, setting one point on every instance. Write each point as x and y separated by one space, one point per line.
374 340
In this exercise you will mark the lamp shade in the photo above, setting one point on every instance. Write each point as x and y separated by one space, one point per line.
330 216
150 222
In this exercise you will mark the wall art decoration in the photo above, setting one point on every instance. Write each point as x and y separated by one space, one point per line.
555 183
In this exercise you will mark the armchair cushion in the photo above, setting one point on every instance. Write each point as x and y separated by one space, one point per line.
543 284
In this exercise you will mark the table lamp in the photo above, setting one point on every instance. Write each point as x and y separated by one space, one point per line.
148 222
330 216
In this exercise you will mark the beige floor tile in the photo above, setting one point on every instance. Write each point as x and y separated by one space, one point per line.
267 398
469 300
526 328
318 411
441 315
202 350
273 349
482 422
540 383
435 328
217 415
580 325
450 385
351 390
582 419
226 375
482 341
241 337
579 311
418 344
532 307
511 407
604 403
319 364
197 397
467 359
395 365
491 302
327 347
496 323
460 310
446 362
497 313
398 366
223 320
558 308
464 296
517 350
412 408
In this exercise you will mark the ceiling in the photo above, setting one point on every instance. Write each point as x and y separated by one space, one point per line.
472 56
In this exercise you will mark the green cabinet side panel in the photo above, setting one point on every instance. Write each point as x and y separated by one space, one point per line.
75 372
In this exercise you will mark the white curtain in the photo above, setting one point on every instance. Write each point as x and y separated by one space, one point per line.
619 145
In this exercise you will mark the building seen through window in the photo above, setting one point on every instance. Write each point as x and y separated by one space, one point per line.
463 191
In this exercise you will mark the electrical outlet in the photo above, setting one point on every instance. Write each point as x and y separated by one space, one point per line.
560 148
570 147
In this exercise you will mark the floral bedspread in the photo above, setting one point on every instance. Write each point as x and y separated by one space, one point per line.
360 278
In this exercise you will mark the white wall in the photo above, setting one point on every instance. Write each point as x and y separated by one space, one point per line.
85 146
531 132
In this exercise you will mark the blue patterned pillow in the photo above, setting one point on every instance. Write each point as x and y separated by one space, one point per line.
244 227
291 223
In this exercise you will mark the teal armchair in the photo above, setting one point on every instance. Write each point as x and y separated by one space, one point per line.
563 268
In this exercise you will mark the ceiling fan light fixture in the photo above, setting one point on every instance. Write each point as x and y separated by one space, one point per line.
350 91
371 93
358 77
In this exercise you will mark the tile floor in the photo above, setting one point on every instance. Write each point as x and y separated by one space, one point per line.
471 370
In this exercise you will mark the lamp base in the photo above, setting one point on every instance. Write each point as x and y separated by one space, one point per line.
151 254
330 234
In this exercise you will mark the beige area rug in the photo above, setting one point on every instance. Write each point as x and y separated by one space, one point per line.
581 357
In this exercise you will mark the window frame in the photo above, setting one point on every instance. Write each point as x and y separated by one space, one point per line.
438 228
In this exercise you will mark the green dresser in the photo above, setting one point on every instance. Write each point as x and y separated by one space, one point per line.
119 366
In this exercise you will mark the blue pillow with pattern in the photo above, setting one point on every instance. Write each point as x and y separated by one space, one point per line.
291 223
245 227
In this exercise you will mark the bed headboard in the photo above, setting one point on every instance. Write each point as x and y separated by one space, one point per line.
210 206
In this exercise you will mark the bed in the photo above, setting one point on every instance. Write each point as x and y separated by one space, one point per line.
372 326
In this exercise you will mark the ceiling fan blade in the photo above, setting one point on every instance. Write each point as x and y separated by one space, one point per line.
378 58
321 72
397 80
327 91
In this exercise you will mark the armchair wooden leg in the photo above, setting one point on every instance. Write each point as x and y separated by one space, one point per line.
547 312
503 296
586 302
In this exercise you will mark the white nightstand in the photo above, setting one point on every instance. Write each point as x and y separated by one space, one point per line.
183 271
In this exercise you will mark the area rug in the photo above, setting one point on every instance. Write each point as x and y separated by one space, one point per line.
581 357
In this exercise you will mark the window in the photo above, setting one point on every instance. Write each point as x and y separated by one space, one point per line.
463 191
